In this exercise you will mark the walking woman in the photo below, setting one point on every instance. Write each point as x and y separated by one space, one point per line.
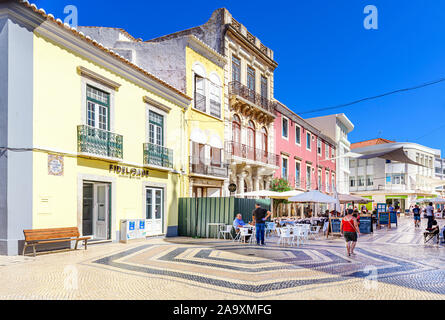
349 229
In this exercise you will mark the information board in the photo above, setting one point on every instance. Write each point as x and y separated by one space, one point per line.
383 218
335 225
365 224
394 217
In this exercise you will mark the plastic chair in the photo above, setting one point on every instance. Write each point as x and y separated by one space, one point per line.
286 237
297 234
314 231
223 230
243 233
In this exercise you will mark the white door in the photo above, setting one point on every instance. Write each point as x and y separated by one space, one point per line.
101 211
154 211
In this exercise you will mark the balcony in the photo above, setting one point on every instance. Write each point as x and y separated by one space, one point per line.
262 103
250 153
208 168
101 143
156 155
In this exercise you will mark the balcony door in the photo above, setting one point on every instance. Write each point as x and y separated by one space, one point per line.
251 83
251 141
156 139
154 211
236 136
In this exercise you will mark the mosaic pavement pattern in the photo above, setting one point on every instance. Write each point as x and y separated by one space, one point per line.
390 264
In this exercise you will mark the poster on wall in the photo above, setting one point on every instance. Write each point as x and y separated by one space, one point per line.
55 165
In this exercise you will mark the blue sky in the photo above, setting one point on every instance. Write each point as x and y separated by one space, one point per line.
326 57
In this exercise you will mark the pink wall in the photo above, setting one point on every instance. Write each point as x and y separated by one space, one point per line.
288 148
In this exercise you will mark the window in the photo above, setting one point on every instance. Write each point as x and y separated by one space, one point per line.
388 178
352 182
333 182
236 69
326 151
284 168
297 135
352 163
264 87
215 155
251 135
319 180
297 173
360 181
285 127
308 177
98 108
308 141
327 180
251 81
319 147
200 96
398 178
236 129
369 181
333 154
215 100
156 128
264 140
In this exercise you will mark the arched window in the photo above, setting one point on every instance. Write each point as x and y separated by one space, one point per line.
264 140
236 129
251 140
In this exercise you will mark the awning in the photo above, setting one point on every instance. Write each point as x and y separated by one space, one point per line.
347 198
197 135
393 155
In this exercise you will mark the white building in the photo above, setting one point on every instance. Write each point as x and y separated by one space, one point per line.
337 127
390 182
439 171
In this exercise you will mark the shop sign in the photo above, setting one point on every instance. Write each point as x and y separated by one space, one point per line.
129 171
55 165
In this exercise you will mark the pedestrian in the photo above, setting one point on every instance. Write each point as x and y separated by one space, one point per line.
430 215
416 215
260 216
349 229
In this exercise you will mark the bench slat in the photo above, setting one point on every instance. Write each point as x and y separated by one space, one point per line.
47 234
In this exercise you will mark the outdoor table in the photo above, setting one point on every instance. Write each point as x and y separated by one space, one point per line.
213 224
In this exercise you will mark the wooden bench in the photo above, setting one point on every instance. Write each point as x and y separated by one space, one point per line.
53 235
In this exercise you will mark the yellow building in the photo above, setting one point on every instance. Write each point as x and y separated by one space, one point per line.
87 138
198 70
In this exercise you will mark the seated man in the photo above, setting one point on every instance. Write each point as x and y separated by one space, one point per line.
238 222
432 232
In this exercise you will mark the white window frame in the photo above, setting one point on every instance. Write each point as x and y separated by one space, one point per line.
299 173
299 128
319 145
310 141
282 126
282 166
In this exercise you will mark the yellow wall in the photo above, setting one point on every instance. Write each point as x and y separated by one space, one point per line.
58 109
195 118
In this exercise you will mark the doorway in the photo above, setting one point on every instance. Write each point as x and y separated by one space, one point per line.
96 210
154 211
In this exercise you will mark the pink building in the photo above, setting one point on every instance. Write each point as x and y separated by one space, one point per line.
306 155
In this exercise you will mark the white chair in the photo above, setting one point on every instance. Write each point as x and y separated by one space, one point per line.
297 234
252 239
305 232
314 231
223 230
286 237
243 233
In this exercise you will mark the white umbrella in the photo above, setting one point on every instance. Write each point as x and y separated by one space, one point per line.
287 194
434 200
313 196
259 193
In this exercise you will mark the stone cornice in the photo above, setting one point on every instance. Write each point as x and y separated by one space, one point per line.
99 78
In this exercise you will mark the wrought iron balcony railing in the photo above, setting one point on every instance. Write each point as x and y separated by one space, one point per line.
236 88
208 167
99 142
158 155
251 153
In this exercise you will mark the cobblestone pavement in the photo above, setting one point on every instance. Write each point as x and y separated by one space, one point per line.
390 264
